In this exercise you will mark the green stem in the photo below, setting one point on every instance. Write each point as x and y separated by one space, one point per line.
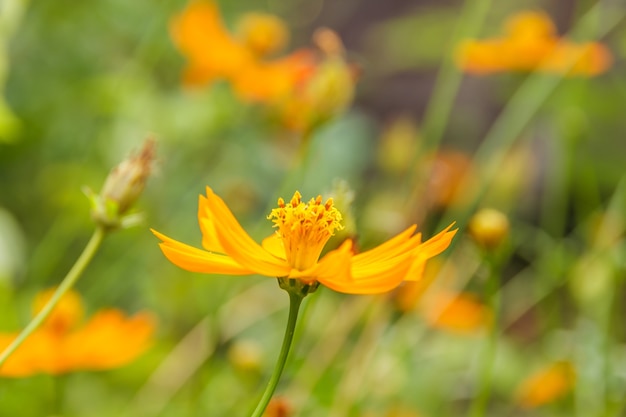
295 300
67 283
481 400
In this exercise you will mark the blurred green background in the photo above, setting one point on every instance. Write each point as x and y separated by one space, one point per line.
84 83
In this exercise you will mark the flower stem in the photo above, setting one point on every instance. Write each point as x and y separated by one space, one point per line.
295 299
481 400
67 283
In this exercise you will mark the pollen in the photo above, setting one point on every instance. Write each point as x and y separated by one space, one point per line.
305 227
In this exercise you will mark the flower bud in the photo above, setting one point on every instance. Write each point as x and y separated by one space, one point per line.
489 228
262 33
123 186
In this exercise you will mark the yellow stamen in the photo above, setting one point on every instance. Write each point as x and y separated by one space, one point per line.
305 228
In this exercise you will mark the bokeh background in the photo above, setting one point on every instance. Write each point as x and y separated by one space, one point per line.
82 84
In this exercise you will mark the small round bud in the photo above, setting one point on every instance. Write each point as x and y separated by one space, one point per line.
262 33
489 228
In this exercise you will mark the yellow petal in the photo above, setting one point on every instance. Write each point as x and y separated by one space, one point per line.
210 241
333 270
385 250
239 245
198 260
274 245
432 247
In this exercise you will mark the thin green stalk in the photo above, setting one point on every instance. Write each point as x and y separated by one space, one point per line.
449 76
67 283
295 300
522 108
479 404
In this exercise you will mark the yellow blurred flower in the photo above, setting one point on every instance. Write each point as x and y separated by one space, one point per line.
489 227
530 42
293 251
546 385
107 340
262 33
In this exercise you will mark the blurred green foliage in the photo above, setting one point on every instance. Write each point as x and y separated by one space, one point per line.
88 81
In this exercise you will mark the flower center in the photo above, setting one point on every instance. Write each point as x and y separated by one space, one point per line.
305 228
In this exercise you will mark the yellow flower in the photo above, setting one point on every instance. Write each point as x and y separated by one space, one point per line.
530 42
293 251
107 340
546 385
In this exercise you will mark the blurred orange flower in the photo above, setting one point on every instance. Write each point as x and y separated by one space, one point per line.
213 53
546 385
305 87
530 42
458 313
293 251
107 340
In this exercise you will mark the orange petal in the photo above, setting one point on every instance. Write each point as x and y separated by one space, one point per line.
199 34
198 260
239 245
109 340
40 353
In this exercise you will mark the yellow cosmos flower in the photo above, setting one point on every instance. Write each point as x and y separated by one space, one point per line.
107 340
293 251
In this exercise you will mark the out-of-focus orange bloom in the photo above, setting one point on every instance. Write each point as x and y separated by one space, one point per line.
274 81
107 340
305 86
213 53
409 294
278 407
546 385
458 313
530 42
452 176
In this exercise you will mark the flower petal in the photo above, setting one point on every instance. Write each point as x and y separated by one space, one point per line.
274 245
432 247
239 245
198 260
333 270
109 340
210 241
388 249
